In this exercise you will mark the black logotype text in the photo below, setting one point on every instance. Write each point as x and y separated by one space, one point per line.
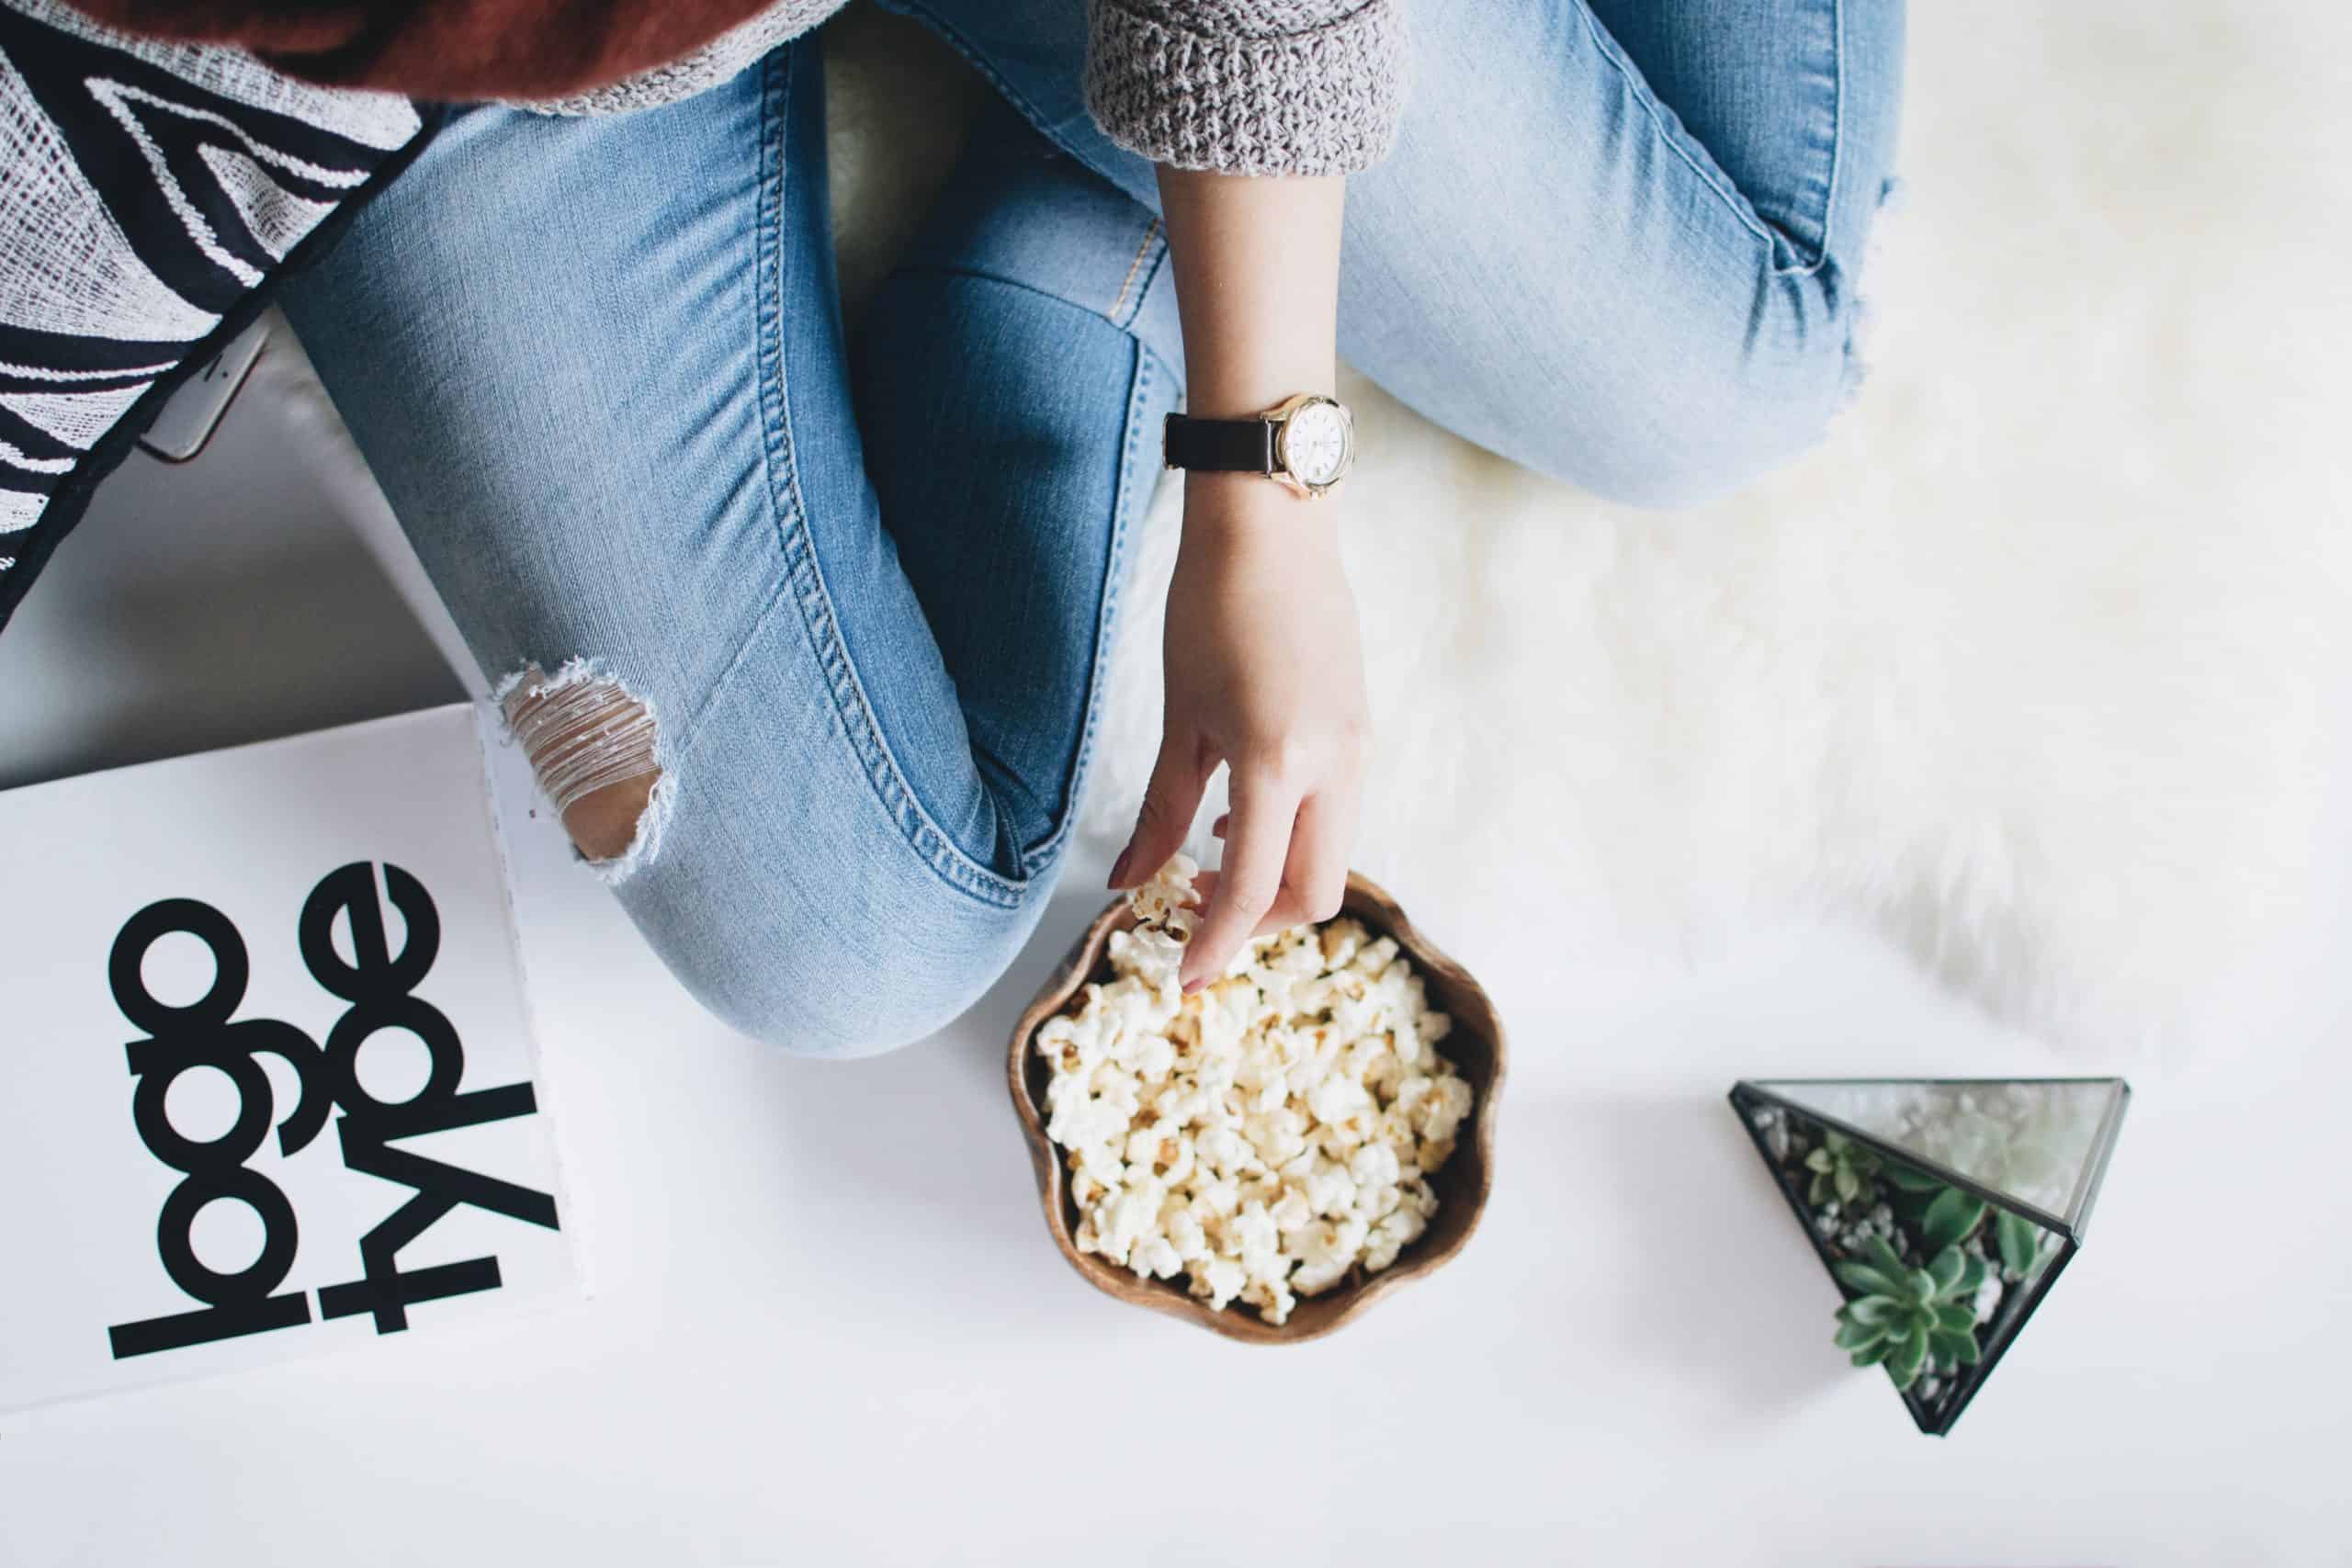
201 1035
379 986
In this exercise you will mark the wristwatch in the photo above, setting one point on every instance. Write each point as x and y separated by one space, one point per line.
1305 444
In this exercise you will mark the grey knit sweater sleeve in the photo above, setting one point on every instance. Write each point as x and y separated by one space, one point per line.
1240 86
1250 86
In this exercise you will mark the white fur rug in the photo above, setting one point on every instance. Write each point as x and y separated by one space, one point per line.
2037 666
2034 667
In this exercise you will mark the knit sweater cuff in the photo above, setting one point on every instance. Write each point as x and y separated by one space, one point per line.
1241 87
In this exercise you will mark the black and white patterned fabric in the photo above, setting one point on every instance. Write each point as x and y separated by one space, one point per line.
150 194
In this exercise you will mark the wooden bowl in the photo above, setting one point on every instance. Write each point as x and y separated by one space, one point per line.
1476 1047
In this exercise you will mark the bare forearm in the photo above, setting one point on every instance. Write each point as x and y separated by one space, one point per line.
1258 284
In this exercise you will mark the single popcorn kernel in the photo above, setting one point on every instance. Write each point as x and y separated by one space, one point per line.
1270 1135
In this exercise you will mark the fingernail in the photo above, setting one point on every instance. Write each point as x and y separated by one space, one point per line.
1119 868
1195 984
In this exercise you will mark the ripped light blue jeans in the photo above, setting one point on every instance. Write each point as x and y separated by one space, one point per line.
863 594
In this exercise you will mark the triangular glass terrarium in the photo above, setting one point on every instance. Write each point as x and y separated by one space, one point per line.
1945 1209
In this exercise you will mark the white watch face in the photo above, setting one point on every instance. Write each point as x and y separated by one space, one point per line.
1315 443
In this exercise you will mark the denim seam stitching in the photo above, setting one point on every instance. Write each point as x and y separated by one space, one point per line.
1837 124
804 573
1143 248
1143 293
1734 199
997 79
758 238
1106 619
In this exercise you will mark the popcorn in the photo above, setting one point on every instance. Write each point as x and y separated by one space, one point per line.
1219 1280
1267 1137
1396 1230
1373 1165
1330 1189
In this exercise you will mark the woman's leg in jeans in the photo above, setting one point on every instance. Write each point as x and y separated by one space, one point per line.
597 366
1616 241
1001 449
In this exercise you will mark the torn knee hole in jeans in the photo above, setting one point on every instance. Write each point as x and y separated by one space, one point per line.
596 748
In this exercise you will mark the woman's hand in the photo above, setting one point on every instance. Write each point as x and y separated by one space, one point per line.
1264 675
1265 666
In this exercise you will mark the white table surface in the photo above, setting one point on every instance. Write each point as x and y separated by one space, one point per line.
827 1326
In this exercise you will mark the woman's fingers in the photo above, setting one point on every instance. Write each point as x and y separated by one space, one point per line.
1315 881
1316 878
1257 846
1178 780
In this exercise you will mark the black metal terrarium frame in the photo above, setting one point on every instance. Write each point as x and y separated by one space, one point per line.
1749 1096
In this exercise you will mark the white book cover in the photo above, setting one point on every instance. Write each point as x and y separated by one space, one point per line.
271 1082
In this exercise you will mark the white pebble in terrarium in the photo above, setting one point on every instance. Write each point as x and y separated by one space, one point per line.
2029 1140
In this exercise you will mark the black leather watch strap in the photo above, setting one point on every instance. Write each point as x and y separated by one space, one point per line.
1220 446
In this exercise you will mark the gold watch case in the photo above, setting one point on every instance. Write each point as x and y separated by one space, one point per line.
1280 417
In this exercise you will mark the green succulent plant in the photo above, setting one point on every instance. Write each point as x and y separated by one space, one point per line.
1843 1169
1944 1214
1950 1218
1910 1178
2019 1240
1910 1319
